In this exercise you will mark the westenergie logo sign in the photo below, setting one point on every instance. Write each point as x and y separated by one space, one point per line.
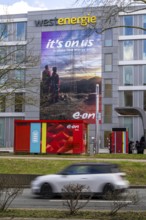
83 21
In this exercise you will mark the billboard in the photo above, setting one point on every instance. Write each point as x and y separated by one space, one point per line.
70 92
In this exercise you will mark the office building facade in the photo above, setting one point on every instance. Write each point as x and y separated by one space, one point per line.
115 60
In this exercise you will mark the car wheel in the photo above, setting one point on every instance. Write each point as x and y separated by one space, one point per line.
46 191
108 191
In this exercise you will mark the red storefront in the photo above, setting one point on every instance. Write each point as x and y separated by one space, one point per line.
50 136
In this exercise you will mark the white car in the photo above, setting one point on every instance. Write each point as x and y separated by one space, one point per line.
100 178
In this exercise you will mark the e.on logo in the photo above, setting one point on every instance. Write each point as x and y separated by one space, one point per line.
85 115
72 126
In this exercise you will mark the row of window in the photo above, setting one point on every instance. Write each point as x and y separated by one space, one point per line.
128 79
14 78
13 31
11 55
128 102
128 24
128 54
18 102
129 21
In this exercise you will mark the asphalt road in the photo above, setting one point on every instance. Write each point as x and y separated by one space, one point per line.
29 201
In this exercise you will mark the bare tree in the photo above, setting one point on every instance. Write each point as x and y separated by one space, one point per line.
107 16
76 197
8 192
16 59
123 202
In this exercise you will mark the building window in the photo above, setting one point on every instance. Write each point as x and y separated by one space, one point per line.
107 114
144 49
20 54
3 56
128 124
128 50
2 103
128 75
144 100
144 23
128 98
108 38
107 88
19 99
21 31
3 31
108 62
20 77
144 74
128 21
2 131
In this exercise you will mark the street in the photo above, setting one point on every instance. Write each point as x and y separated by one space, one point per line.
27 200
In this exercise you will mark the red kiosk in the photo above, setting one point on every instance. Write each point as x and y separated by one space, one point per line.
50 136
119 140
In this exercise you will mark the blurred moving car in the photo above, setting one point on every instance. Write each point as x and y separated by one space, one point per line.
100 178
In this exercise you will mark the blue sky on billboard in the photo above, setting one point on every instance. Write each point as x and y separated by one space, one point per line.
23 6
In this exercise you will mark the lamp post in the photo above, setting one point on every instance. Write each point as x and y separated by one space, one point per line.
97 119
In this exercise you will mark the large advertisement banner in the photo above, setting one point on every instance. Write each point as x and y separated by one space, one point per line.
70 70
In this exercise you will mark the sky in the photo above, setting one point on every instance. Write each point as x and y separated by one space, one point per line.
23 6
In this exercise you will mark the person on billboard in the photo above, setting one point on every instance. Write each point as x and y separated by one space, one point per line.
46 80
54 89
